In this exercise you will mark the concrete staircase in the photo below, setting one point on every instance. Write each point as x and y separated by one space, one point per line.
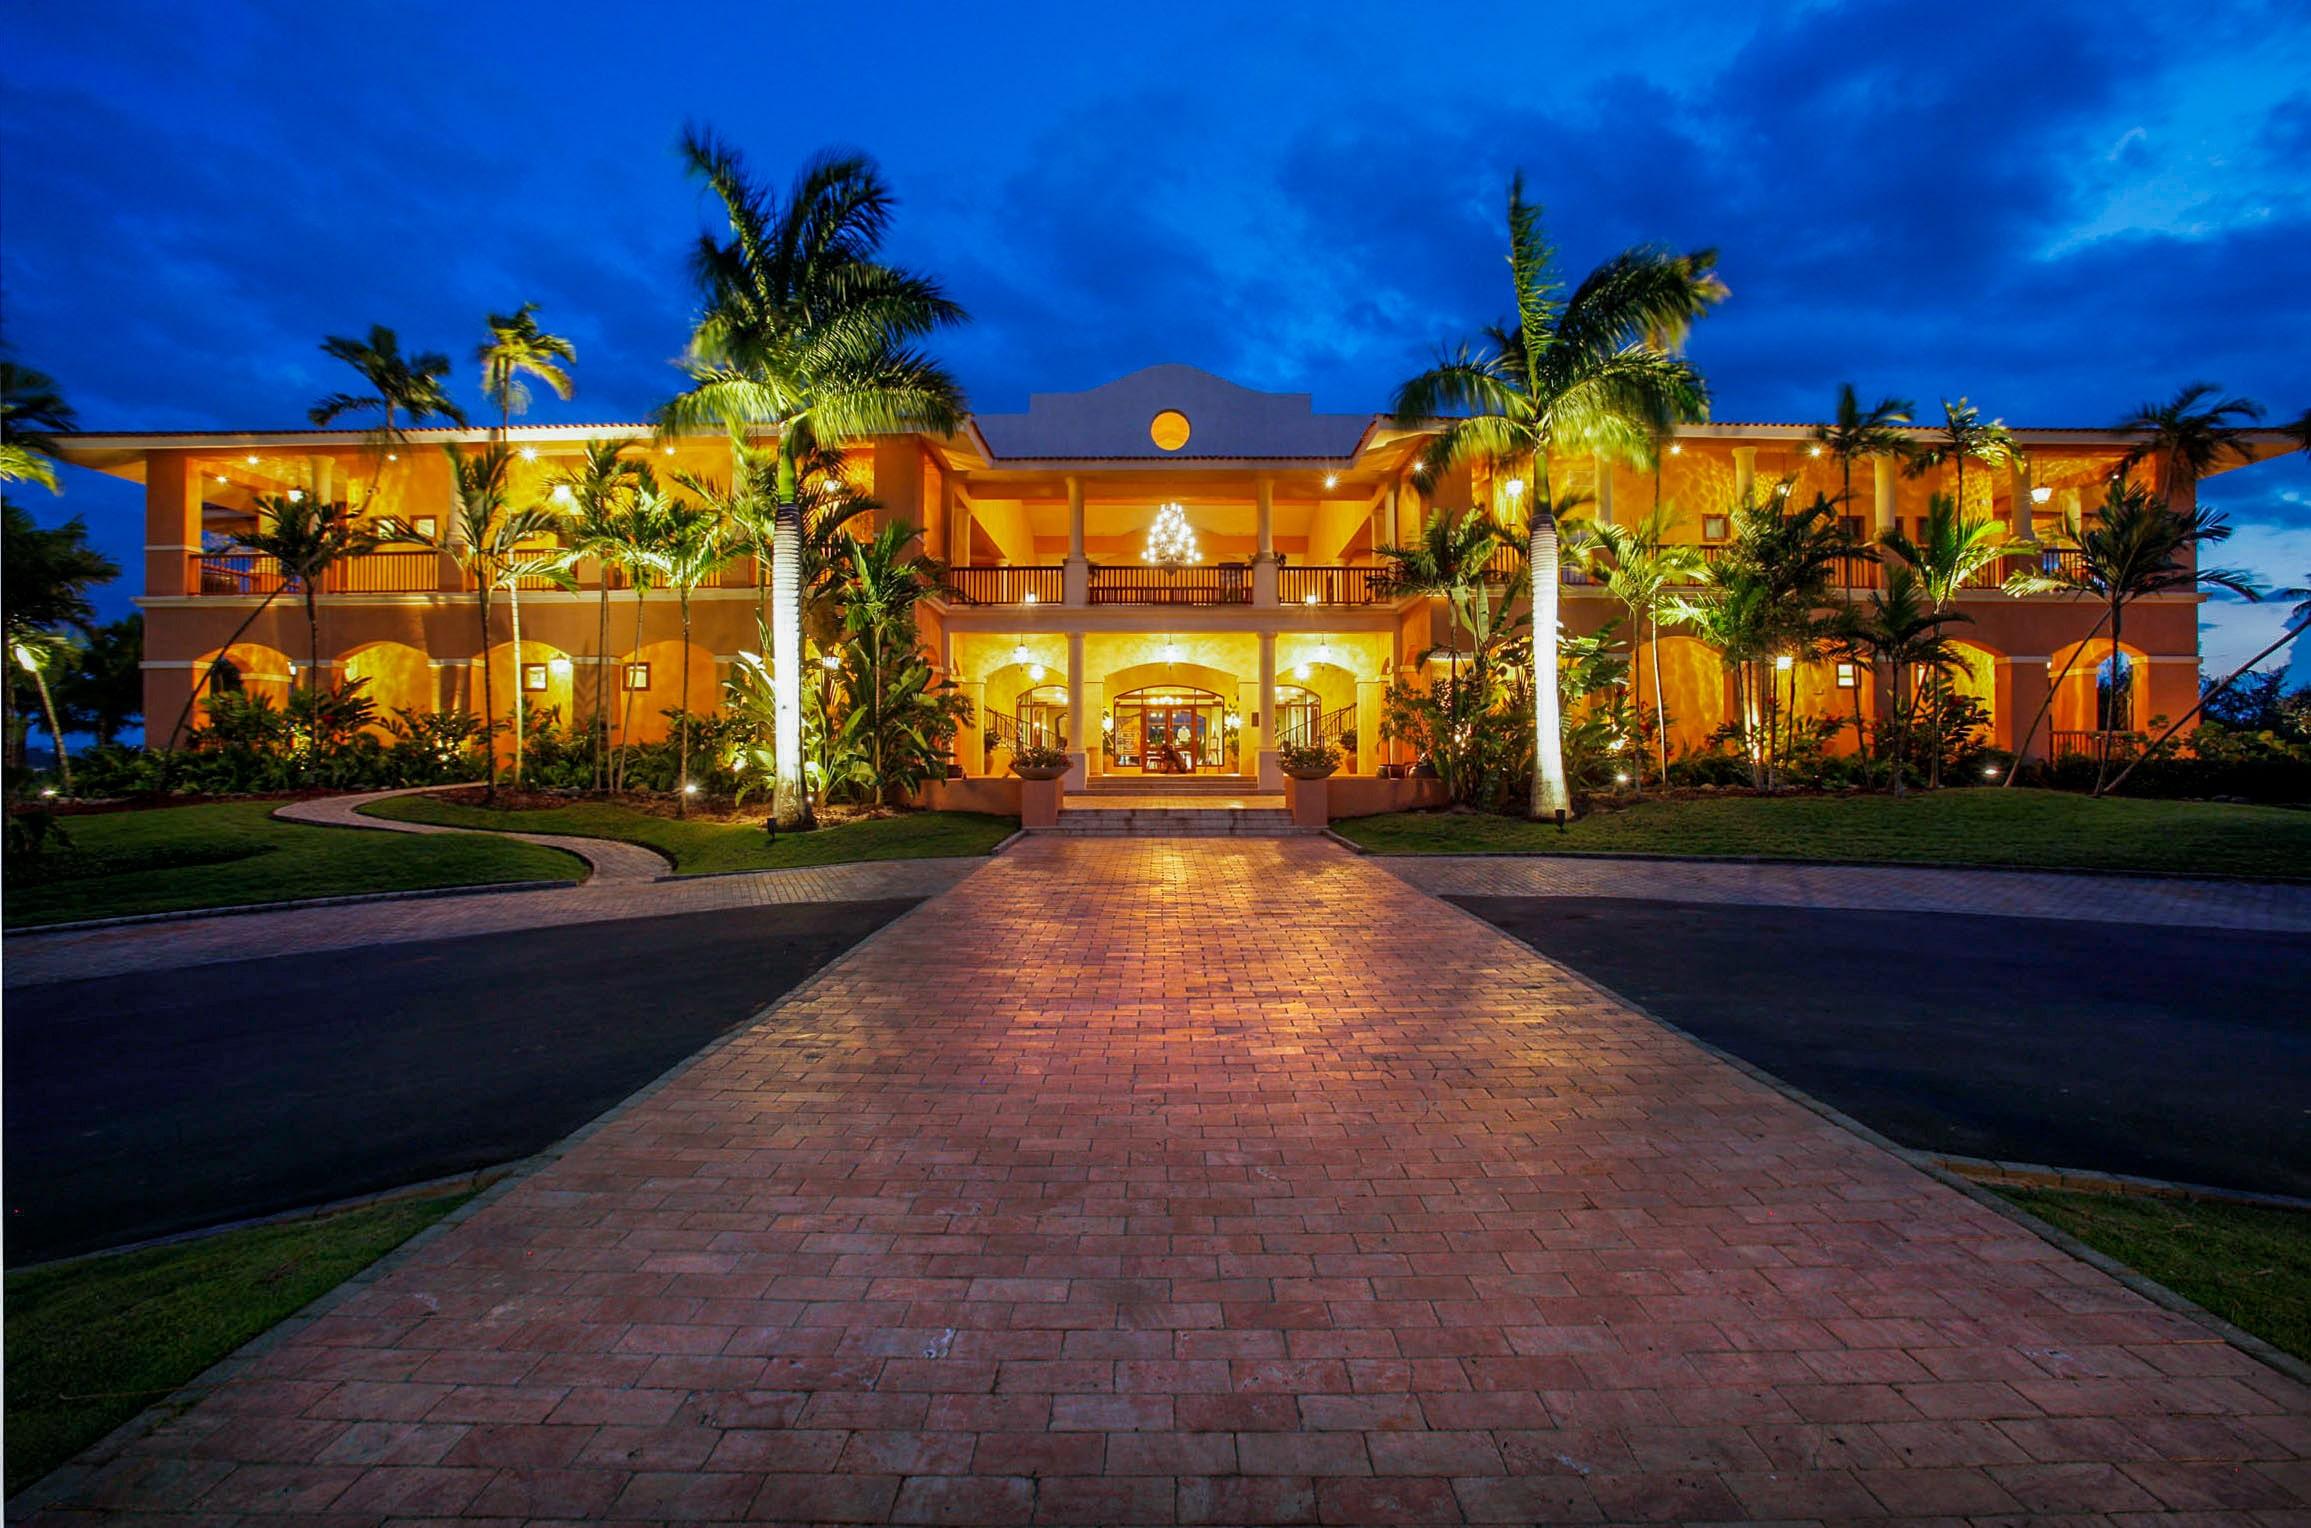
1173 806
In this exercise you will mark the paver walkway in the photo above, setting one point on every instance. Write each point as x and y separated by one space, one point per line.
613 861
35 957
1147 1181
2173 901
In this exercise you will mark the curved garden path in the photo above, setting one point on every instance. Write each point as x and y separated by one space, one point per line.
613 862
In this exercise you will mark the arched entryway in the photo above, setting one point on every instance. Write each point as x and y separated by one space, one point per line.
1170 730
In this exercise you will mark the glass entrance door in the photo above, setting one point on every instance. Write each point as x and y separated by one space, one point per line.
1168 731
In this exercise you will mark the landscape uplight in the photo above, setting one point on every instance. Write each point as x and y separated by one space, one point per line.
1784 662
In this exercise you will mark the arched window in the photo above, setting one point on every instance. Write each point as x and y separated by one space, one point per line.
1298 710
1043 715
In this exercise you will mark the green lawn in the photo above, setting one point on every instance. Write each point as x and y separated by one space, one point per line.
2250 1266
92 1343
221 855
2017 828
699 847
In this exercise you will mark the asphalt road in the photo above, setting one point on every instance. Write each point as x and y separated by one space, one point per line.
137 1106
2168 1053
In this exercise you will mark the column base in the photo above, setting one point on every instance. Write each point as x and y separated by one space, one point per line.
1271 771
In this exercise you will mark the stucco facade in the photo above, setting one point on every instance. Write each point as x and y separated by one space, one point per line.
1056 627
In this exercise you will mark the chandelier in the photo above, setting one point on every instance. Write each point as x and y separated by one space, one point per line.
1171 542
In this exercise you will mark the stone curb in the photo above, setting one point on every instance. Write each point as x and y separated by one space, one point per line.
1931 1165
1963 866
2085 1181
68 1477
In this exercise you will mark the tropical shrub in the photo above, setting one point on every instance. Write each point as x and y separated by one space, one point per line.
1308 758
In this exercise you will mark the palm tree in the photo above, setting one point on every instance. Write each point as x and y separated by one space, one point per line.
1594 371
2299 431
2188 437
487 538
601 498
105 688
1953 549
634 548
1882 431
306 538
32 414
398 384
2137 545
807 333
1450 561
2298 621
516 345
691 545
899 723
1962 437
1639 565
1901 631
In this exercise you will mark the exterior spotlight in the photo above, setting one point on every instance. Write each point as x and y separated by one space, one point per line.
1332 480
1813 450
1784 662
1621 777
1516 488
251 460
2041 495
829 484
830 661
665 450
561 493
1028 598
1989 771
296 495
529 453
1311 599
393 456
1107 721
689 787
1676 448
48 790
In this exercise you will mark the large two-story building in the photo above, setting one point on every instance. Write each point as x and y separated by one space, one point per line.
1056 627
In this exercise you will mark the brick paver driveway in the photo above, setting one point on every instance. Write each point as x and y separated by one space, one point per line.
1208 1181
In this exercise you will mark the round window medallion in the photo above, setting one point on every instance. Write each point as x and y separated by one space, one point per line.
1169 430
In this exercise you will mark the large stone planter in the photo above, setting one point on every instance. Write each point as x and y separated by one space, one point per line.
1040 771
1039 800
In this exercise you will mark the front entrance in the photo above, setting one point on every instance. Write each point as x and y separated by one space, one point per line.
1170 730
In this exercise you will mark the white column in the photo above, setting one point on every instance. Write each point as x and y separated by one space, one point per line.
1604 480
1271 773
971 736
1266 491
1370 696
1882 480
1744 473
2018 512
1075 743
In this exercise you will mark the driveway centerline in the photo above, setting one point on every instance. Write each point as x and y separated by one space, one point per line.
1223 1181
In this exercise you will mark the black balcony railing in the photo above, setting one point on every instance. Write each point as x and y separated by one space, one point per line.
1319 585
1006 586
1225 584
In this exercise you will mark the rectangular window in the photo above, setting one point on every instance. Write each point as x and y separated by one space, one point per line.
533 676
1713 527
1846 676
426 526
637 676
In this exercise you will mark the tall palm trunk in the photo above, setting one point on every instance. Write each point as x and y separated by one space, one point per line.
2286 636
1660 708
1550 795
488 708
521 696
682 716
599 724
790 805
48 709
2109 708
626 707
312 637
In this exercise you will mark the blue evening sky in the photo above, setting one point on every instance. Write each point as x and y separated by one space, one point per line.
2058 209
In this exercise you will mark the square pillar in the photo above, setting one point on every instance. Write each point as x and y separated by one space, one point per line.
1371 695
1744 473
1309 802
1075 576
1265 489
2023 684
1094 735
1271 773
2018 507
172 522
1602 473
971 736
1075 749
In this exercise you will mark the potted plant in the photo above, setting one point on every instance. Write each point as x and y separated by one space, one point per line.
1308 761
1039 761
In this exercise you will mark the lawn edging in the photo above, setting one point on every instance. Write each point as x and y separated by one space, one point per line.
68 1478
240 909
1931 1164
1968 866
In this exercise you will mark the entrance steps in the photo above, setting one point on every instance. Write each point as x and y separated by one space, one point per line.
1167 785
1166 814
